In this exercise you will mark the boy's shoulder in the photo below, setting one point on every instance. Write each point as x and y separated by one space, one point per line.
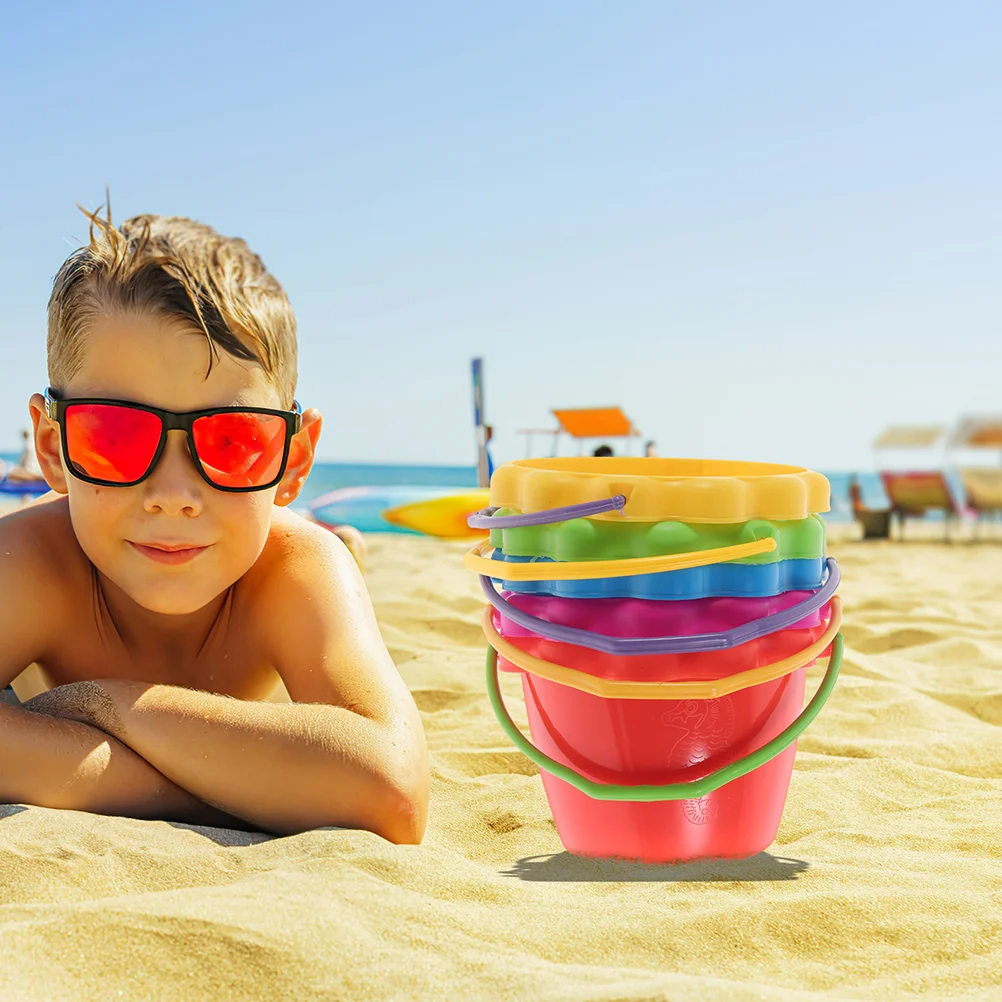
296 544
43 573
305 609
38 544
300 560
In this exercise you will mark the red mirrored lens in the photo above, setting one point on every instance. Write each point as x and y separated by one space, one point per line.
240 448
110 442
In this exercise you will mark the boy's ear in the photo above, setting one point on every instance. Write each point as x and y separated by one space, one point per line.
47 444
302 451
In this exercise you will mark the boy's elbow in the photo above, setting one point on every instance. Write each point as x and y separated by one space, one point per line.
397 815
405 822
405 816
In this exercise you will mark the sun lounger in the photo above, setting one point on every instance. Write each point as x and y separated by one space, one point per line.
983 491
875 522
915 493
982 484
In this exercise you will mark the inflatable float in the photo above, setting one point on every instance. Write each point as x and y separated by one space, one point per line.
22 487
429 511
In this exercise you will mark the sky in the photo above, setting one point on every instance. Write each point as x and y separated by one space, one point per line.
765 230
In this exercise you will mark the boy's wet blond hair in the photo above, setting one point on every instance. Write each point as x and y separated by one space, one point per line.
174 267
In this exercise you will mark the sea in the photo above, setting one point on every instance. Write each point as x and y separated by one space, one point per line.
327 477
330 476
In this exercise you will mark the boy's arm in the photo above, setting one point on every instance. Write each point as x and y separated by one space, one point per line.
349 752
51 762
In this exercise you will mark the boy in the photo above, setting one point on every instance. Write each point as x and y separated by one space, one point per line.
162 591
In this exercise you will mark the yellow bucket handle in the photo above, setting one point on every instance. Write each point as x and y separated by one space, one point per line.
617 689
477 560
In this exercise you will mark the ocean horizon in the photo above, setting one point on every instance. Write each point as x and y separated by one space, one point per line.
329 476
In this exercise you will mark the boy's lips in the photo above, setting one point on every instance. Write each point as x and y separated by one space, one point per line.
169 553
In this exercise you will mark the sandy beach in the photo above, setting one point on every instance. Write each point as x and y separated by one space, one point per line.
885 881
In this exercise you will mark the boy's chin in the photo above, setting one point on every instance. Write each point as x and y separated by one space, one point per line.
177 597
173 604
171 601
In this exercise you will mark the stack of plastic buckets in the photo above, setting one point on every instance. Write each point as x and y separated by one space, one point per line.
662 614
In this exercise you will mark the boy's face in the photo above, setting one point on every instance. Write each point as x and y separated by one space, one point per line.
158 362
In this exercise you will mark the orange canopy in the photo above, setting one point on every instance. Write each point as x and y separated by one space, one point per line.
595 422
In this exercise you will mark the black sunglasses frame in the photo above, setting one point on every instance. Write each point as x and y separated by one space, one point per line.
55 408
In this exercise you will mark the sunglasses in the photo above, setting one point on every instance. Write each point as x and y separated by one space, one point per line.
113 443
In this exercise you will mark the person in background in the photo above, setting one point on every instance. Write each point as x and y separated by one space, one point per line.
856 495
351 538
27 467
488 435
603 450
649 449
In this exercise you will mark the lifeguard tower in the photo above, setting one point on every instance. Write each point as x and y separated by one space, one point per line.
585 423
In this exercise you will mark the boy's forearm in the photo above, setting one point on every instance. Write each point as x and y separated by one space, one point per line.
286 768
52 762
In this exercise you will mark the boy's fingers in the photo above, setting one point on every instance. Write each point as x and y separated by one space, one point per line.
86 702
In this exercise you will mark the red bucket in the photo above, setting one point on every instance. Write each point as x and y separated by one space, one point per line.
655 742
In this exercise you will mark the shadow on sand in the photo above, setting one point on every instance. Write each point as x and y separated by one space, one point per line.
227 837
567 867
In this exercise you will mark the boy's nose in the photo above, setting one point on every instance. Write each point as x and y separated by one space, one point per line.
174 487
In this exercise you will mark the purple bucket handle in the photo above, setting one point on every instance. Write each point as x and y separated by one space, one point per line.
486 519
692 644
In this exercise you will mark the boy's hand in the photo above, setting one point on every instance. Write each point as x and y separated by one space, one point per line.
64 762
86 702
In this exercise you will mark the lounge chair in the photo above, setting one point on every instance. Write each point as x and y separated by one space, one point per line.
983 487
914 493
982 484
875 522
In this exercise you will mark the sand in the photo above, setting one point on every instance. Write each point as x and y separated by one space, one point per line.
885 881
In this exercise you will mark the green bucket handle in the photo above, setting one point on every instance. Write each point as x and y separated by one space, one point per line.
691 790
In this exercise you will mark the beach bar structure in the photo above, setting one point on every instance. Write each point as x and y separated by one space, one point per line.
583 423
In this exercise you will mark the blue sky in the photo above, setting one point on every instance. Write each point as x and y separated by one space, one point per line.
766 230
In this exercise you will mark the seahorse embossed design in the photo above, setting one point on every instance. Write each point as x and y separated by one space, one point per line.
701 728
